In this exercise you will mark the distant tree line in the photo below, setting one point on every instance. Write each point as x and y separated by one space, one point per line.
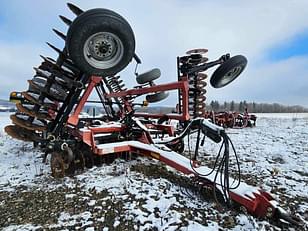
254 107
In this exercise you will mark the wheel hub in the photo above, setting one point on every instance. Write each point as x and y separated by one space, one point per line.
232 74
103 50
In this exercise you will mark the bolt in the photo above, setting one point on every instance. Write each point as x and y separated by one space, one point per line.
269 212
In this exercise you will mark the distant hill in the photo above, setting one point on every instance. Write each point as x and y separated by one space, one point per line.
252 107
6 105
156 109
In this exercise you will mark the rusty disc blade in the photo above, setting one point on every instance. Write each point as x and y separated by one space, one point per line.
197 59
32 113
42 76
194 91
197 106
57 165
201 84
56 92
200 112
201 76
21 133
48 68
31 98
200 91
79 160
204 60
198 99
197 51
24 123
194 61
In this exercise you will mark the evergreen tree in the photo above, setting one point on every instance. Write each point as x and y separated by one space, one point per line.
232 106
241 107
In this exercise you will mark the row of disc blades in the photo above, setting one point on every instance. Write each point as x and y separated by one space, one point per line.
48 89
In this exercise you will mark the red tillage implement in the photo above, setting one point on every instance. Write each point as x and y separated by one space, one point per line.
99 44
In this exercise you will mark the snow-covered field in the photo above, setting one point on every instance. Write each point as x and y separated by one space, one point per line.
144 195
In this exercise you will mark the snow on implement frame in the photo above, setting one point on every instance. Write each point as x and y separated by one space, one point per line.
98 45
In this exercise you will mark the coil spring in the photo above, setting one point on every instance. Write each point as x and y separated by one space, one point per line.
197 83
197 91
115 85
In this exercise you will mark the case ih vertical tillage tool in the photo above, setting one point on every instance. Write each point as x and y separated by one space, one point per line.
99 44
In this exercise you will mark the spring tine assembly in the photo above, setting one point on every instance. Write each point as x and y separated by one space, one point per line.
115 84
60 34
55 49
76 10
67 21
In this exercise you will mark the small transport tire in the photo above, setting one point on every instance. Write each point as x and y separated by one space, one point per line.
100 42
148 76
159 96
228 71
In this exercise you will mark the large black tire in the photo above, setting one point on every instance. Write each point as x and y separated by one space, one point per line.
228 71
159 96
148 76
100 42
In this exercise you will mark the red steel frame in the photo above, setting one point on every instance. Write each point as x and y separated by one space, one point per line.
180 85
88 136
74 118
260 203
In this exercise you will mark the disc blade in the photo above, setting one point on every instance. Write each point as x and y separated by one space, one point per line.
24 123
201 76
197 51
23 134
55 92
33 113
48 105
57 165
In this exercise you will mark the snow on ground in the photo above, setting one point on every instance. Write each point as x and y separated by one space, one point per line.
143 195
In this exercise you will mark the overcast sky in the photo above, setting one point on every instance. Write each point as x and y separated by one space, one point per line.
273 35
